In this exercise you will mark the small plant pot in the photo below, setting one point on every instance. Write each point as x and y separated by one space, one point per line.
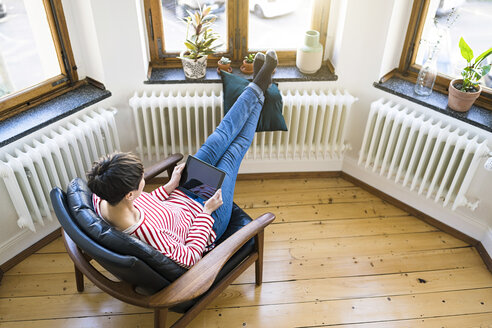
246 68
224 67
194 69
461 101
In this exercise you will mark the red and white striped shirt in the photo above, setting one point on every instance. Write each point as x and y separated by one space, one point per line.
173 224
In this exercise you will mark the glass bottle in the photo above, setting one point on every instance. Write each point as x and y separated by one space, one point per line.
427 74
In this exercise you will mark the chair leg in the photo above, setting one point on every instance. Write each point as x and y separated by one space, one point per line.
259 262
79 279
160 316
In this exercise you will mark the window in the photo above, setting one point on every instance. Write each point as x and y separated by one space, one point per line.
445 21
244 26
36 60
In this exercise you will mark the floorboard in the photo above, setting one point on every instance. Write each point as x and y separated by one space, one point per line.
354 310
336 256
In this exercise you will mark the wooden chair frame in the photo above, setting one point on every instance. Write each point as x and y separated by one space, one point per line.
194 283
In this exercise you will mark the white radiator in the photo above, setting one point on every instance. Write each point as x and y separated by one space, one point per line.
175 122
33 168
423 154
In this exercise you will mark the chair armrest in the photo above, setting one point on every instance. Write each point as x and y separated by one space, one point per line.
201 276
160 167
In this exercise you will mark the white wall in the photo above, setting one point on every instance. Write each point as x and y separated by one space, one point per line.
371 45
109 43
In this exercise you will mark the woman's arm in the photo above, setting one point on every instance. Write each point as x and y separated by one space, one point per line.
199 234
164 191
188 254
169 187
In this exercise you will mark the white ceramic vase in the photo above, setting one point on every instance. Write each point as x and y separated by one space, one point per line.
310 55
194 69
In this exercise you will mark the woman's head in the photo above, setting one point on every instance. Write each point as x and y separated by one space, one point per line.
114 176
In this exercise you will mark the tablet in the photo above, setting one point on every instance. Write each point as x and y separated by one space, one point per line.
200 178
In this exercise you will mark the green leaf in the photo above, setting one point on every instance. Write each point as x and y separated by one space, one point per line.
466 51
190 45
208 43
482 56
485 70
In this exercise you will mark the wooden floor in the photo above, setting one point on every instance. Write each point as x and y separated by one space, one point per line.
336 256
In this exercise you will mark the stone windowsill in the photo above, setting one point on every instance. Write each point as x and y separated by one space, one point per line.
477 116
51 111
282 74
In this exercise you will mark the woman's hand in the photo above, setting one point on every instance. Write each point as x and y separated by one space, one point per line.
175 177
213 202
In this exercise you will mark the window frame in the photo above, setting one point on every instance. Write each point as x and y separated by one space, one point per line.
22 100
238 14
408 69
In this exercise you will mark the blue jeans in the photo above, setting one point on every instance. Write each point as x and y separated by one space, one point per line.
227 145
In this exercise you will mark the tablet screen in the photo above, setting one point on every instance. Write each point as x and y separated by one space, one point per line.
201 178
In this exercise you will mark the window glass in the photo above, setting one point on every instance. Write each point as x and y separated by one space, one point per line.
27 52
278 24
446 22
175 30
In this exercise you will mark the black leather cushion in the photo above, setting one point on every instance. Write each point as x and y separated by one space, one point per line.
127 268
80 204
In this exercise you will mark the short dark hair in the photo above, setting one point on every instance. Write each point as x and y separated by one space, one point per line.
114 176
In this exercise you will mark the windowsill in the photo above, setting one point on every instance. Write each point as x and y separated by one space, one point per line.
477 116
51 111
282 74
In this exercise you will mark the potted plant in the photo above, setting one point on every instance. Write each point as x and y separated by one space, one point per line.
247 66
463 92
224 64
199 42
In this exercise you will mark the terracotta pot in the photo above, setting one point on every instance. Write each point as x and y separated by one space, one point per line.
194 69
246 68
461 101
224 67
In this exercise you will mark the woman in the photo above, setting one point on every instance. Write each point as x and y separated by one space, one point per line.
179 225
